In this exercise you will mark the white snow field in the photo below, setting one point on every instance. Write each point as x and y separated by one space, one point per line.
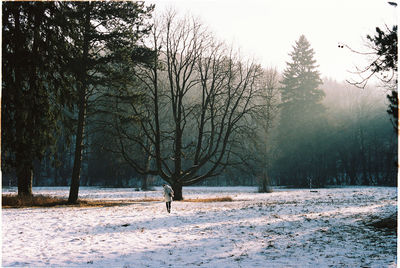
286 228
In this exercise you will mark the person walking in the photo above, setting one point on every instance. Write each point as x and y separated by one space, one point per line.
168 195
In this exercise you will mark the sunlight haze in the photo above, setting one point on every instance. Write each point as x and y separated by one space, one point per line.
267 30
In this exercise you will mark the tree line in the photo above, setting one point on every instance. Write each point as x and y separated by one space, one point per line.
101 93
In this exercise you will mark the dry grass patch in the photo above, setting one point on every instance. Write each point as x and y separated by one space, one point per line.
146 200
14 201
209 200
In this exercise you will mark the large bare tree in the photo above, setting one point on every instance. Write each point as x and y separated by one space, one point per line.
196 97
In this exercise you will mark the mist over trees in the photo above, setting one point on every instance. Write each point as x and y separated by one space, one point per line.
383 46
302 123
112 98
365 140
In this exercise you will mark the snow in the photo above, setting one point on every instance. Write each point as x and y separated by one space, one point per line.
286 228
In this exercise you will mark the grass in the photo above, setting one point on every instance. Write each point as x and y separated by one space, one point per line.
14 201
209 200
144 200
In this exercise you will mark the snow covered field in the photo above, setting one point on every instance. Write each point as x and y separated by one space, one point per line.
287 228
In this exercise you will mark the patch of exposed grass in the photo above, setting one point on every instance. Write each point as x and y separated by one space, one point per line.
209 200
97 203
146 200
14 201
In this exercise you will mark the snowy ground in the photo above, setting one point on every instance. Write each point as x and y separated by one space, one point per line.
287 228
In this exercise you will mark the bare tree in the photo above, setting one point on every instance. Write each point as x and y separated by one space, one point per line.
258 158
270 100
197 95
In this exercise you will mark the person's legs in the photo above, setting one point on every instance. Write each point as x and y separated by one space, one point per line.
169 206
166 203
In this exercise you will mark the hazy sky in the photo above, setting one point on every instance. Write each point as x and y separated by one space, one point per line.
267 29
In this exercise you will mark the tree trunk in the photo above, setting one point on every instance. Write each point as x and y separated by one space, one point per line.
82 82
144 185
74 189
264 185
25 177
24 166
177 188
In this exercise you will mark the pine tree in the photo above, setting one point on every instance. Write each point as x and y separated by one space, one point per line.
385 45
301 80
34 53
301 113
383 65
102 30
45 44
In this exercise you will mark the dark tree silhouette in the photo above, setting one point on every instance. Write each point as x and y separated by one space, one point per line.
385 45
102 28
34 85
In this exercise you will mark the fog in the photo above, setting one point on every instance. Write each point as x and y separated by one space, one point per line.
267 29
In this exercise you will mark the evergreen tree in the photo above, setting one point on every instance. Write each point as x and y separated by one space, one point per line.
301 79
301 116
34 51
383 65
385 45
102 30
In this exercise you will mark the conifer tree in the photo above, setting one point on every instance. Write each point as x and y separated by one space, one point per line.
385 45
34 52
102 30
301 114
301 81
54 55
383 65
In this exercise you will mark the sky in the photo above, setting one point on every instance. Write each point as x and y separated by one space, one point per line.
267 29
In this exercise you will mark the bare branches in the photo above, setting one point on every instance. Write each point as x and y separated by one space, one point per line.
199 95
383 65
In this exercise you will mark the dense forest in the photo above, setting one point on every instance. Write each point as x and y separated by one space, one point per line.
359 144
102 94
